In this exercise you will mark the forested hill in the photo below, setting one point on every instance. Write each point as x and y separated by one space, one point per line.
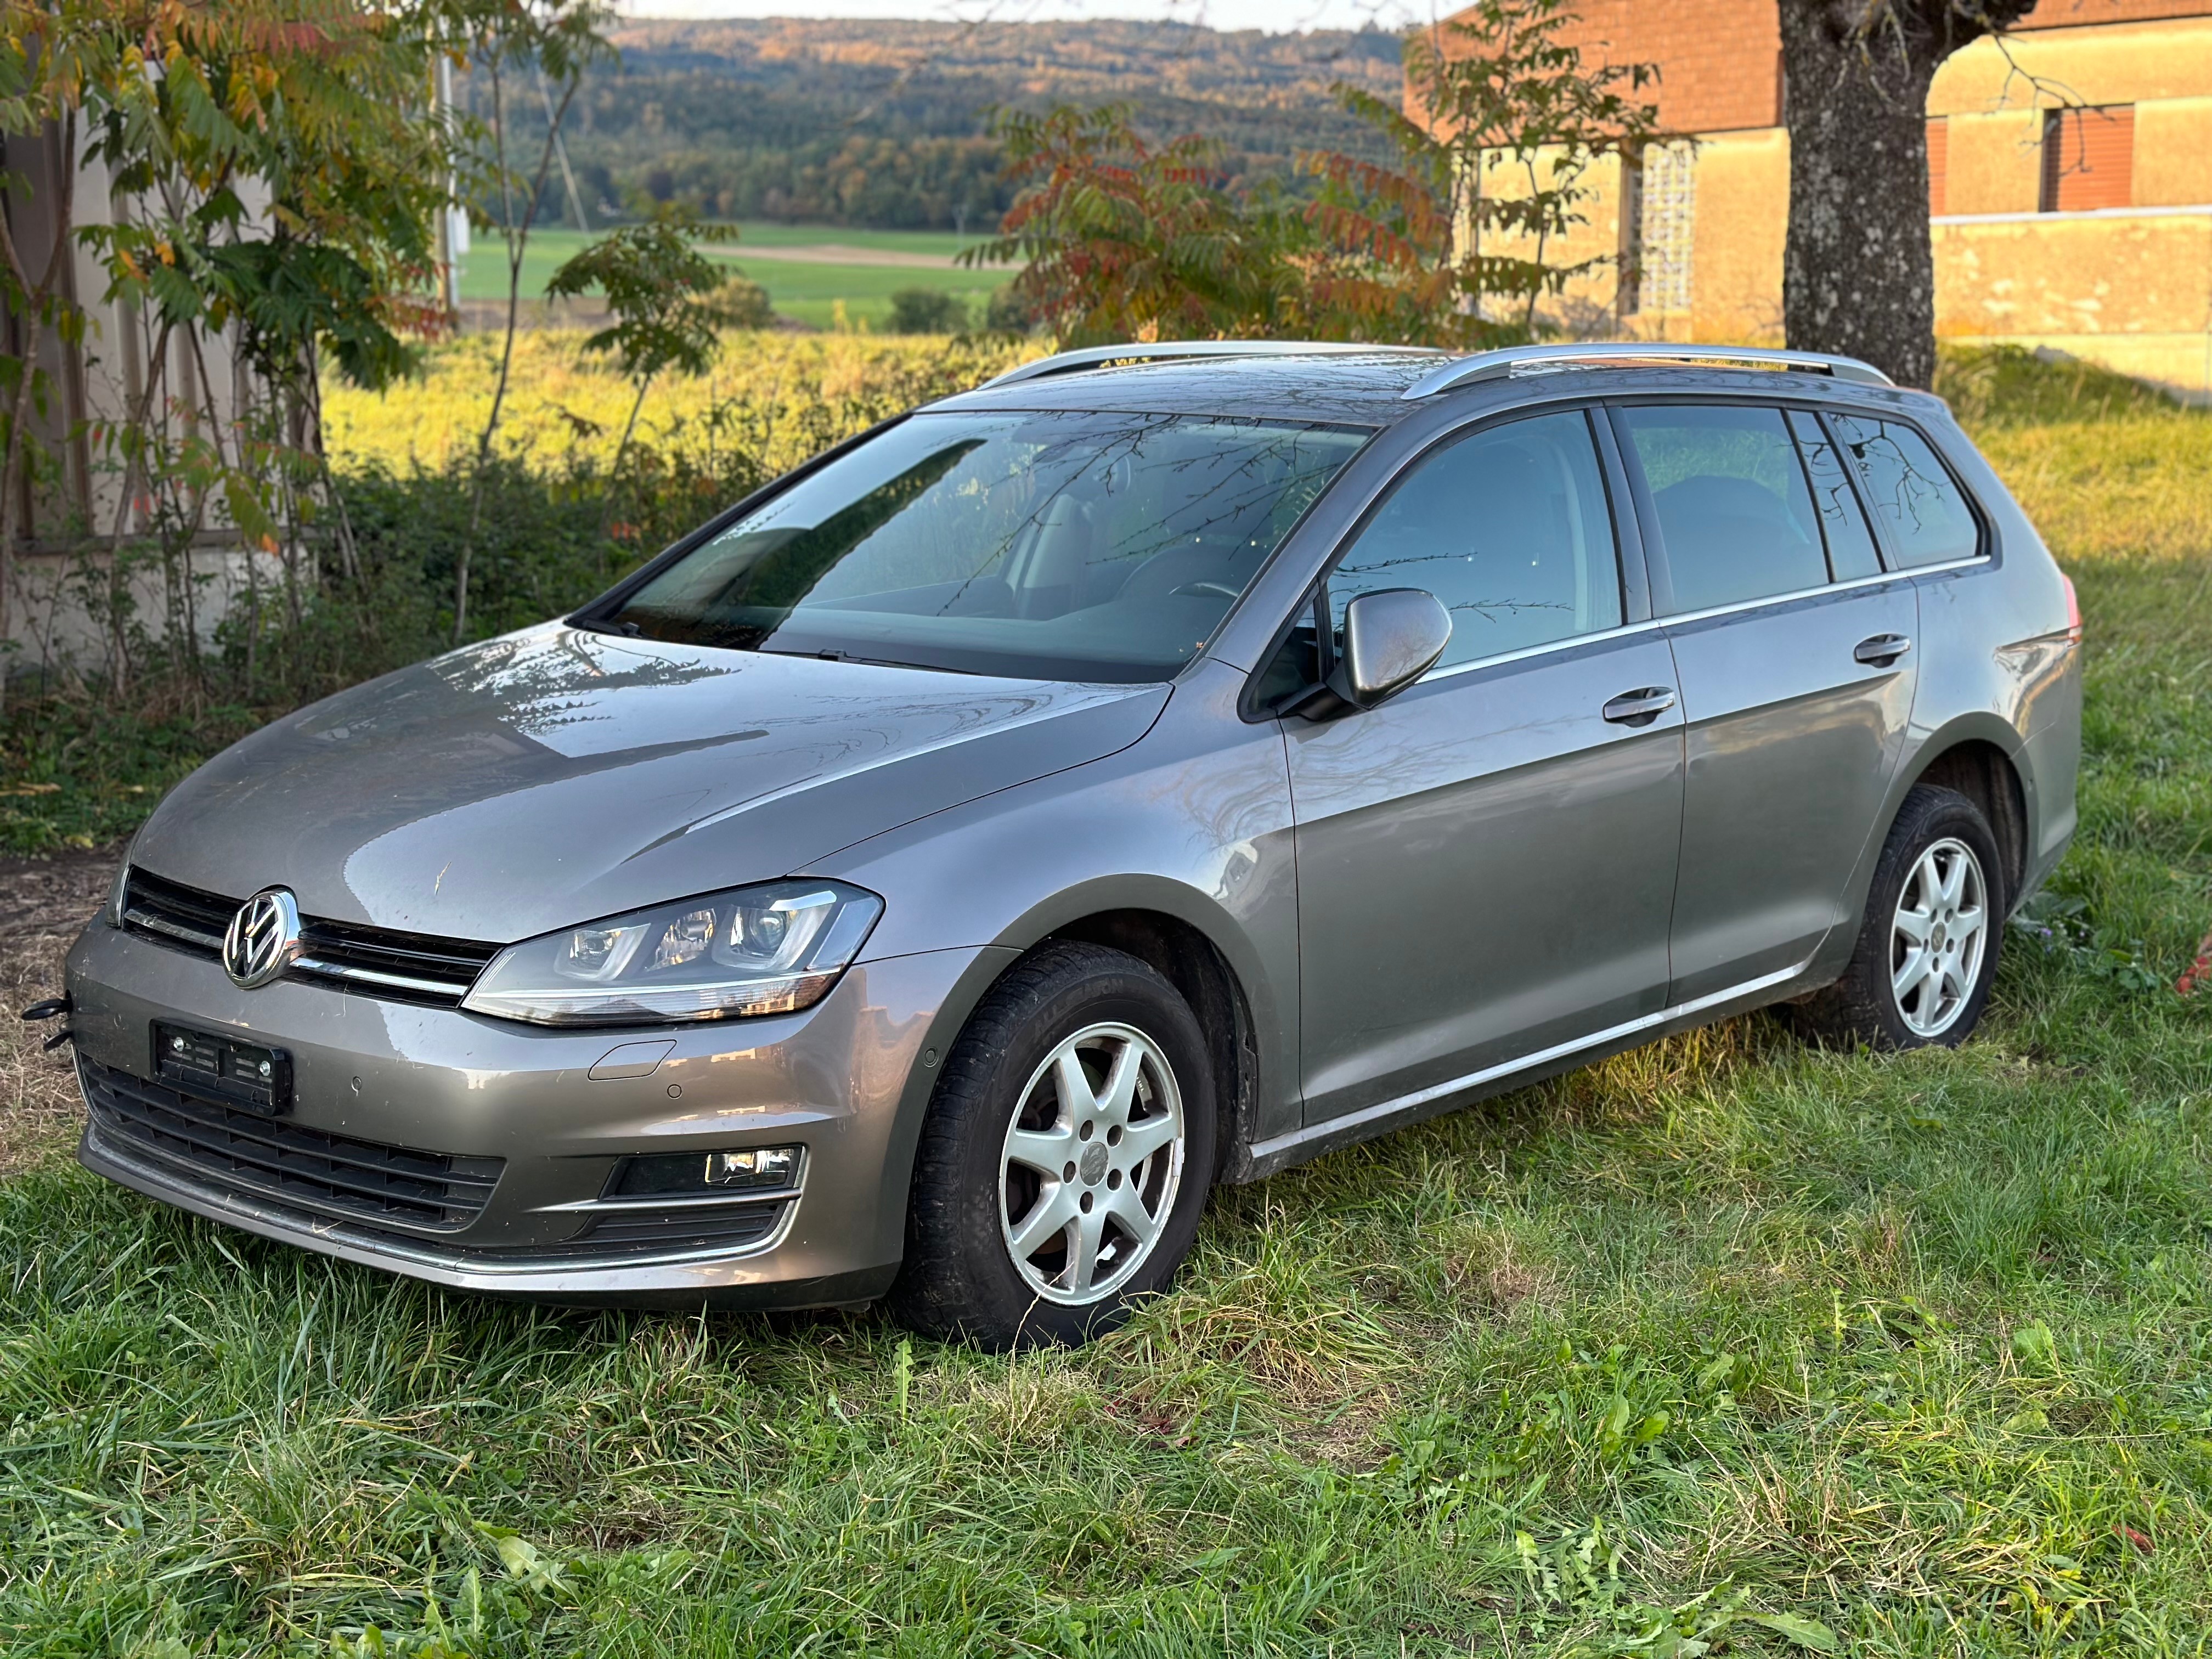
884 123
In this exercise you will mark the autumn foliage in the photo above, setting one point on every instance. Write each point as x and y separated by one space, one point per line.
1454 241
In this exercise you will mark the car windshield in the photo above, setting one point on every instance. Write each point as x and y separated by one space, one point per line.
1038 546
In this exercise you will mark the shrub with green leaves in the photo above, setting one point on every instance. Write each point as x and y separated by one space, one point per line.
927 310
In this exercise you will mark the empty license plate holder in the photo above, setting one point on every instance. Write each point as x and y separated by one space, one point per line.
216 1067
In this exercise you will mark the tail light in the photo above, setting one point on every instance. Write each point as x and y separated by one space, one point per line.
2073 610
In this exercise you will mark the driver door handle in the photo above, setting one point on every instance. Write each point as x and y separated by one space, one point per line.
1882 649
1639 708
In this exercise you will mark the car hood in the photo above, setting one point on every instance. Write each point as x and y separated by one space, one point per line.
556 775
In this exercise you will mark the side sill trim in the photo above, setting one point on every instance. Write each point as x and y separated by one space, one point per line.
1380 1114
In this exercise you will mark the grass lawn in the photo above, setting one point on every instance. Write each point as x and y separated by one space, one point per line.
1724 1341
806 292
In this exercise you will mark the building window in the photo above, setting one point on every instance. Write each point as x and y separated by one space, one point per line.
1939 164
2089 158
1630 289
1667 223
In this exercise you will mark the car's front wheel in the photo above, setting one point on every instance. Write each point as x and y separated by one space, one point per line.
1067 1156
1927 950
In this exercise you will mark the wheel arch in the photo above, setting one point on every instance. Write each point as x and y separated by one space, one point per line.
1183 956
1199 948
1981 765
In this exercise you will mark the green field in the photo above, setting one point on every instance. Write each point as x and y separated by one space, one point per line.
805 292
1725 1347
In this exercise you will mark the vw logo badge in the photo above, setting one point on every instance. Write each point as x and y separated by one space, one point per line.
264 937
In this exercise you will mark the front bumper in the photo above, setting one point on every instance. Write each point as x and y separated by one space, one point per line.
383 1087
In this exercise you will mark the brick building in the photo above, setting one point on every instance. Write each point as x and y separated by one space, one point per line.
2070 182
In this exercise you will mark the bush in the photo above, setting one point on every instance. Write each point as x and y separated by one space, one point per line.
927 310
1009 312
741 302
85 758
86 748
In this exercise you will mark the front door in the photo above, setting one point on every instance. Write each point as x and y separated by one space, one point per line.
1486 862
1797 662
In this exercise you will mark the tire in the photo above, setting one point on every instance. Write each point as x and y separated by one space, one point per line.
1005 1153
1939 868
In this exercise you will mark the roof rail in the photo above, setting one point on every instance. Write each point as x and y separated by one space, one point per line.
1634 354
1072 362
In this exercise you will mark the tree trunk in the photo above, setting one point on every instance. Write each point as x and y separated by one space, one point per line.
1858 276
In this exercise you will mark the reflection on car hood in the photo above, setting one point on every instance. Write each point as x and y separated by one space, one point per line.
554 777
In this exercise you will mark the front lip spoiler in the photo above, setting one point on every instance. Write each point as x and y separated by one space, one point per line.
675 1280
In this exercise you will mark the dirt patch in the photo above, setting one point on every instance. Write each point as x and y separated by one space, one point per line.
834 253
43 903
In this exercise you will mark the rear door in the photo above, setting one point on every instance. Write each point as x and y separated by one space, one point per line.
1795 654
1486 861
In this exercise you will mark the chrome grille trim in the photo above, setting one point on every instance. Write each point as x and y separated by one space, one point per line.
152 922
669 1201
372 979
373 962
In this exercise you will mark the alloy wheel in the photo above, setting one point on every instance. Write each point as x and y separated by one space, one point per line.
1938 938
1091 1164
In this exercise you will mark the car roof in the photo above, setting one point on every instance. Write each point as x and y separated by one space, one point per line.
1367 390
1360 389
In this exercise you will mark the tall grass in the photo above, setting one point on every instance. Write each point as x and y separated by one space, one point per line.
1725 1341
776 397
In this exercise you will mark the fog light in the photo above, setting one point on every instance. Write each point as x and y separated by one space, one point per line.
678 1174
769 1167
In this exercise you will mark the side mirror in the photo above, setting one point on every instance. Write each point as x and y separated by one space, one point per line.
1391 638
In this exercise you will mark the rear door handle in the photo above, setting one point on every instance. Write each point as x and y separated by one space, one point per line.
1639 708
1882 649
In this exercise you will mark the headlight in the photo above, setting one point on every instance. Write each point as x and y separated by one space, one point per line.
767 950
117 890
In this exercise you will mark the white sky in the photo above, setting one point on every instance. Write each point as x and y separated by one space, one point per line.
1279 17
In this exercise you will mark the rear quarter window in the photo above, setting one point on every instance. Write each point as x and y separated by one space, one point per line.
1850 543
1736 521
1919 507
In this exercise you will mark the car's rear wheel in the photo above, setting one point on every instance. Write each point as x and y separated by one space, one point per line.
1927 949
1065 1159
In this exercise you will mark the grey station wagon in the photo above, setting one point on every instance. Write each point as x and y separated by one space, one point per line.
1155 767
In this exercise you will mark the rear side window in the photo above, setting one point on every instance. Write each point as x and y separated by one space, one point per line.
1920 507
1510 527
1736 521
1850 543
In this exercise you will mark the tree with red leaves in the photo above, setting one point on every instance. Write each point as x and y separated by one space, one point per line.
1455 242
1120 239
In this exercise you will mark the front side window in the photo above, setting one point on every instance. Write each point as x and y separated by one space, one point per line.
1735 519
1103 547
1922 510
1510 527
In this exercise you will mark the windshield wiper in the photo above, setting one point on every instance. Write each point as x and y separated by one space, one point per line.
624 630
833 654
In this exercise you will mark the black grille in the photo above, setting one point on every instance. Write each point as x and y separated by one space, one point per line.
681 1229
375 962
212 1144
176 915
